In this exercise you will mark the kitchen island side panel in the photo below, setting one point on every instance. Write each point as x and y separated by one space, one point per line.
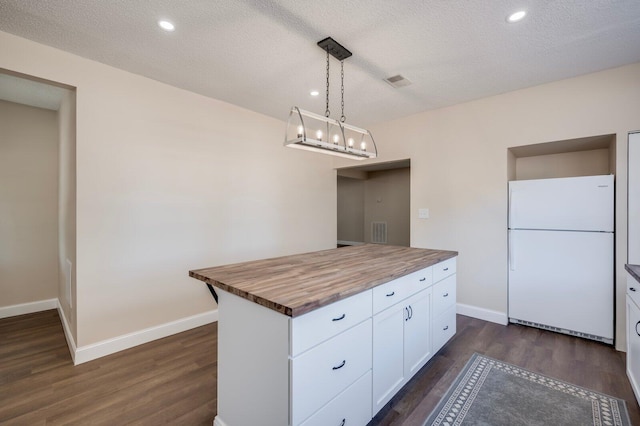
253 364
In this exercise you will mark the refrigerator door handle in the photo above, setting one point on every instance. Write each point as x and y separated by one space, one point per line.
512 254
509 219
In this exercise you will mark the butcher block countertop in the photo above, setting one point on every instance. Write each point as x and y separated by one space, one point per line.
634 270
295 285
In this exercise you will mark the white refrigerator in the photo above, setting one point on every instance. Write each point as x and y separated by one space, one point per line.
561 251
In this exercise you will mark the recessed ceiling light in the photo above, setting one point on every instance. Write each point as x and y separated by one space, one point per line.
516 16
166 25
314 93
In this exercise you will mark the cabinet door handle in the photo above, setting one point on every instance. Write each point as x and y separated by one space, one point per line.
406 318
445 269
343 422
423 279
445 295
632 288
638 323
339 318
410 312
391 294
344 361
446 327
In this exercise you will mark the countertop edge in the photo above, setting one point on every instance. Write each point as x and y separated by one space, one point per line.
324 301
634 270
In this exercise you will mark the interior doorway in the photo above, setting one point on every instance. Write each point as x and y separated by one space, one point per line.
38 196
373 204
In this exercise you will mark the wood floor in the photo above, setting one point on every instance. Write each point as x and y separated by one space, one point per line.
173 380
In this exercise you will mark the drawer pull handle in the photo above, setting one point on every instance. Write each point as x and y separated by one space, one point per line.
445 295
445 269
409 310
391 294
339 318
446 327
423 279
632 288
343 422
344 361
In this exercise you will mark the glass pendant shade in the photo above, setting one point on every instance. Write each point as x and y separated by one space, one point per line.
314 132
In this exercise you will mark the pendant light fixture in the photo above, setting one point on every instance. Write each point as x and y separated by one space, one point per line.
323 134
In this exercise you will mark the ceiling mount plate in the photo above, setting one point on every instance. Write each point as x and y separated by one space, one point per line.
334 48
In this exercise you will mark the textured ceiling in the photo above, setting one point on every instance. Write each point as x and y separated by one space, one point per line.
262 54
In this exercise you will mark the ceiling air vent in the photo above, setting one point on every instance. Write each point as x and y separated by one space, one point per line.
397 81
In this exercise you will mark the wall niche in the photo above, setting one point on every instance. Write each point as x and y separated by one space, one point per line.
587 156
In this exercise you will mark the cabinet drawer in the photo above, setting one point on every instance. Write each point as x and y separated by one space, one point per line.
321 373
633 289
444 295
351 407
317 326
444 269
388 294
444 327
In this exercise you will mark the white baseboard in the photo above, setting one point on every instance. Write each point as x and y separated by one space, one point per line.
106 347
28 308
483 314
71 343
218 422
126 341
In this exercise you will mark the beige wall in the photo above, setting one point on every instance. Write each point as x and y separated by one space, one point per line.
168 181
67 209
578 163
28 204
459 169
387 199
350 209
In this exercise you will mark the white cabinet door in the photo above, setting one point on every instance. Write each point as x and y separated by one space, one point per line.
401 345
633 346
417 330
388 354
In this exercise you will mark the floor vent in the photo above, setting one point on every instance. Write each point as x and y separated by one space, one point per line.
379 232
562 330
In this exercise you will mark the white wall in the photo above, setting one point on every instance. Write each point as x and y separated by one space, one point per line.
459 170
350 209
169 181
387 199
569 164
67 210
28 204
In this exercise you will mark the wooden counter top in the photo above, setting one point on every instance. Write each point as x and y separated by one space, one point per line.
634 270
295 285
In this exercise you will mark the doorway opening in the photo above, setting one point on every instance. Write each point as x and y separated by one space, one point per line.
374 204
38 197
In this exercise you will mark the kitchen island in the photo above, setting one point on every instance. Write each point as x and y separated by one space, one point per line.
327 337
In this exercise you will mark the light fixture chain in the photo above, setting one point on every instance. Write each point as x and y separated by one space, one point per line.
342 118
326 111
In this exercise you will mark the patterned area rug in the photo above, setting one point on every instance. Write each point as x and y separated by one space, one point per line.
491 392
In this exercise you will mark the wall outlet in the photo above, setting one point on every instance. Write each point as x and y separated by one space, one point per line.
423 213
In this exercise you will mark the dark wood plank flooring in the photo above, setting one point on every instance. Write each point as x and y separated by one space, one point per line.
173 380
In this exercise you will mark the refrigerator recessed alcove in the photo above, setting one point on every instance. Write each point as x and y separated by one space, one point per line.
560 227
585 156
